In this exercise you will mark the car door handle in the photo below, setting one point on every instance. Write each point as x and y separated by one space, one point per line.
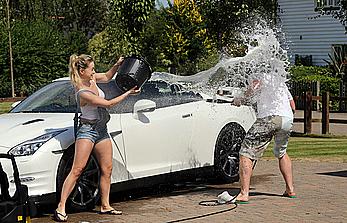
187 115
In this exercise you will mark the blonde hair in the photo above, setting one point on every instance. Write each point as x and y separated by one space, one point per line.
75 65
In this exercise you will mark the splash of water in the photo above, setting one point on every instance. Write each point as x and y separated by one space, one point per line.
265 60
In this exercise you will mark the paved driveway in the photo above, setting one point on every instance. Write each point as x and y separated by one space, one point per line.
321 189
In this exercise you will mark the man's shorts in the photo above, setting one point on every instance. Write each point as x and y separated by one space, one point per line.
260 135
88 131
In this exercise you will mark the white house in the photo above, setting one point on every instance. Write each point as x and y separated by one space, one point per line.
308 33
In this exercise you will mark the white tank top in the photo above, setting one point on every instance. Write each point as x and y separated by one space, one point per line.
90 112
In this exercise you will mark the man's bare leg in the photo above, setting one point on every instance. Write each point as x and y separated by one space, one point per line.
285 165
245 178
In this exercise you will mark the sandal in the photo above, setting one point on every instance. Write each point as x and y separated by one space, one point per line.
241 202
59 217
289 195
111 212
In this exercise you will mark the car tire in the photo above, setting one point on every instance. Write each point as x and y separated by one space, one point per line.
86 192
226 155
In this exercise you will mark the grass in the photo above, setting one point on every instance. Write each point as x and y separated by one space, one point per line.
324 148
5 107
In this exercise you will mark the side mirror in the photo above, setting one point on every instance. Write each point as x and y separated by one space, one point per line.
14 104
143 105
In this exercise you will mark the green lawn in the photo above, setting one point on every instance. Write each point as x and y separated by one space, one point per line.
315 147
5 107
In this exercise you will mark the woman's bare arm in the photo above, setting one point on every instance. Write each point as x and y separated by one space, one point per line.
105 77
92 99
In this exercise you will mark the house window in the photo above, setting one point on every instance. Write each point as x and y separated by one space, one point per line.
327 4
305 60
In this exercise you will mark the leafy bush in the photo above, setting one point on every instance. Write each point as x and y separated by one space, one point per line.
153 42
314 73
107 46
40 54
77 42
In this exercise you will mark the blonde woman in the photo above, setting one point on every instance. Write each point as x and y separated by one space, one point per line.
91 137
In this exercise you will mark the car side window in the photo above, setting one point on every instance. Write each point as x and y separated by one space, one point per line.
162 93
111 90
165 94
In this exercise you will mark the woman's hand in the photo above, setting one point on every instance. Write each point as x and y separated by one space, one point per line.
134 91
120 61
105 77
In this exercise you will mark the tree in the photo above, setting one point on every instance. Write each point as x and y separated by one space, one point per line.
131 16
339 12
88 16
6 25
267 8
107 45
222 18
338 60
153 40
185 36
39 54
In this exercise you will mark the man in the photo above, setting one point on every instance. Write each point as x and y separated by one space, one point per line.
275 108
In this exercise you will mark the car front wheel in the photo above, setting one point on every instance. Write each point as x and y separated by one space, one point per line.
86 192
227 152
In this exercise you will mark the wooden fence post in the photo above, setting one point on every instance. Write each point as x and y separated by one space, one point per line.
308 113
325 113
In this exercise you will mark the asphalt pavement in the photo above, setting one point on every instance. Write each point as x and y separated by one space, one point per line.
320 188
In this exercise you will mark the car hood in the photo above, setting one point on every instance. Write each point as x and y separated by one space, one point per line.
16 128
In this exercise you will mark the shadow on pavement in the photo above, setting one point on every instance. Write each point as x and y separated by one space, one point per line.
342 173
264 194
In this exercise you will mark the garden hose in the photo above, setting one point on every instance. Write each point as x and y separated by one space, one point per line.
213 203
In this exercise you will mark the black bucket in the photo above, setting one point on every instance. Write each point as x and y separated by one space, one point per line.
134 71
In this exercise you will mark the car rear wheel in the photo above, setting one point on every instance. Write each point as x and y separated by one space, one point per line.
227 152
86 192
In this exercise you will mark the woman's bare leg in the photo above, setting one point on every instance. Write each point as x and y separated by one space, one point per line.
83 148
103 152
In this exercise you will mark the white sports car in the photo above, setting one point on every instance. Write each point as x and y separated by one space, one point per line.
158 136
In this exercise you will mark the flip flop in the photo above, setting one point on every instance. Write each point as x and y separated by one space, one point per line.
111 212
241 202
59 217
289 195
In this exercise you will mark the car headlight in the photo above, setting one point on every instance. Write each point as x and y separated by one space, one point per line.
29 147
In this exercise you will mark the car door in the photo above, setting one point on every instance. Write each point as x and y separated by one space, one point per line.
119 170
155 143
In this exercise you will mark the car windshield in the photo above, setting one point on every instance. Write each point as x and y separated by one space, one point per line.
55 97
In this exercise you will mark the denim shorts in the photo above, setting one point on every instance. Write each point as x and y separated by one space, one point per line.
89 131
261 133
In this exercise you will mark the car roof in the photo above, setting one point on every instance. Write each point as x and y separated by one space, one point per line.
68 79
62 79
